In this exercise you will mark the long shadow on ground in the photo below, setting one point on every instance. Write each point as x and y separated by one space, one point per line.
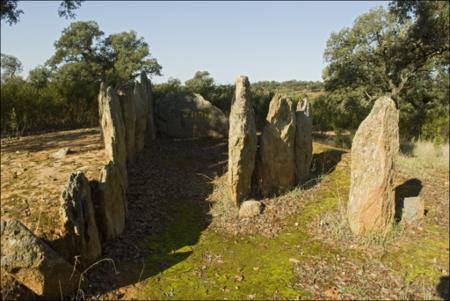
167 211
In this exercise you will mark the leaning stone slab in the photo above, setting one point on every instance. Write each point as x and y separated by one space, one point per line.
241 143
35 264
375 147
303 141
109 199
80 232
276 152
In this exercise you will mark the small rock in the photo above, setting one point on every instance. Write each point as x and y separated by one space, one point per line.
250 209
413 209
61 153
293 260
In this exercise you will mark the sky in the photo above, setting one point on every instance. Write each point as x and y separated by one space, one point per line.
263 40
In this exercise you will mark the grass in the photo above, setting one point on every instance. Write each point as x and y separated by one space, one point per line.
424 157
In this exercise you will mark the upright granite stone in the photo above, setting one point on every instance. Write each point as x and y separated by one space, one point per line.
129 117
276 153
151 128
141 103
109 202
80 232
35 264
189 115
303 141
375 146
242 143
113 130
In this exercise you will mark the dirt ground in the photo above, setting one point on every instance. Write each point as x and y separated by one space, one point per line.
32 181
183 240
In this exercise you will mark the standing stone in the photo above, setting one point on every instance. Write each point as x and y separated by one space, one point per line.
375 146
241 142
113 130
109 202
129 118
303 140
151 129
80 232
141 104
35 264
276 152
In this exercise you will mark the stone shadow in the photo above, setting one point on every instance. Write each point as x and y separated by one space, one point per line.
323 163
443 287
409 188
168 210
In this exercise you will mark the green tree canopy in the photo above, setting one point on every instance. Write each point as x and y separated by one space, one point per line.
201 83
11 13
10 65
115 59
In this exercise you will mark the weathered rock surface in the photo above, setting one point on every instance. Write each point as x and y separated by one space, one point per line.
250 209
109 202
35 264
303 141
151 128
141 103
413 209
242 142
276 153
61 153
187 115
375 146
80 231
113 129
129 118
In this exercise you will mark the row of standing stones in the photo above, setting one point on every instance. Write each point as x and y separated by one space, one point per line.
91 212
283 156
95 211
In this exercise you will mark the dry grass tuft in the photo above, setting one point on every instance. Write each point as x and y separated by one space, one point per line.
422 156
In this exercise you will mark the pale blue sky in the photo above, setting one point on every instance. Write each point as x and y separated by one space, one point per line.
264 40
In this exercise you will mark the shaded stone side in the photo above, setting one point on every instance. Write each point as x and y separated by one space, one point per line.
35 264
80 232
129 118
109 198
276 152
113 130
303 141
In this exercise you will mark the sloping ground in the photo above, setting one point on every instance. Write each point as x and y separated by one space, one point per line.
184 241
32 181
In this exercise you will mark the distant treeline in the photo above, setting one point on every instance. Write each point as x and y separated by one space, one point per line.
363 62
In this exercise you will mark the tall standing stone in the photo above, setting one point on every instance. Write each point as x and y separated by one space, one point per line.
80 231
303 140
109 202
129 117
276 152
141 104
375 146
113 130
242 142
35 264
151 128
